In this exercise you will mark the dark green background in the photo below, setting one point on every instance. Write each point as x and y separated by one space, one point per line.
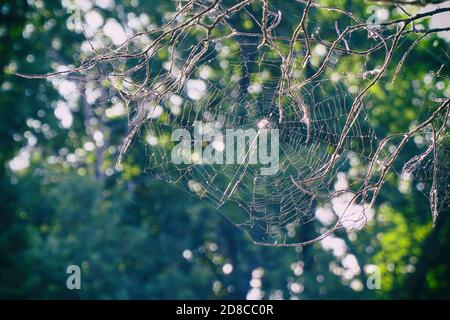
128 231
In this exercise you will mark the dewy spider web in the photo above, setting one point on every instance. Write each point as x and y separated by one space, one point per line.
271 208
265 65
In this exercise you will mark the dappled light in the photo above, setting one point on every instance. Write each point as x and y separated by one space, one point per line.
218 149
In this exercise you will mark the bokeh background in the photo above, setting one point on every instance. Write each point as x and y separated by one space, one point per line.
135 237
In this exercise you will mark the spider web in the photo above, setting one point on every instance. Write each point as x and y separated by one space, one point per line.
272 209
238 65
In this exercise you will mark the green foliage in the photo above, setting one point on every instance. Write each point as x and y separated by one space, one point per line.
137 237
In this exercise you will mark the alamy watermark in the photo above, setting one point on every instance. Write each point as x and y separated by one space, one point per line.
210 145
74 279
373 281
